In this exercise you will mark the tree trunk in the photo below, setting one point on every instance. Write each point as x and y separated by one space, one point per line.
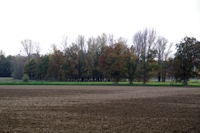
163 79
163 76
185 80
131 81
144 78
117 80
159 77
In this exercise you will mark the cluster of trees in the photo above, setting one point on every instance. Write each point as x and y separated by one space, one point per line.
106 59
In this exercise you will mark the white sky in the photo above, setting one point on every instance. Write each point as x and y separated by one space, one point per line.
48 21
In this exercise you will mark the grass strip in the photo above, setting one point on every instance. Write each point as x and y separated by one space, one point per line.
192 84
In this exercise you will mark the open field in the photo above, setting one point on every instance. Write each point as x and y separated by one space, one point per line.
99 109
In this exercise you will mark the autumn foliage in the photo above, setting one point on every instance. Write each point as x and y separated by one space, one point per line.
107 59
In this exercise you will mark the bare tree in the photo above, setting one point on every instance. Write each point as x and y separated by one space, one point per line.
37 49
161 46
28 47
64 44
167 53
145 43
81 42
82 61
102 41
164 51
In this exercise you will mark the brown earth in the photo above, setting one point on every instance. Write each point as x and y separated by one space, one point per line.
99 109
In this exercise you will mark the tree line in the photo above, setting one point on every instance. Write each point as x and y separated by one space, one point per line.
107 59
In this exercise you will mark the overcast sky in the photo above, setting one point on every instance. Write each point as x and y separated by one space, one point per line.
48 21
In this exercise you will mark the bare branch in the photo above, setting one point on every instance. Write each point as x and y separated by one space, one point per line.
27 47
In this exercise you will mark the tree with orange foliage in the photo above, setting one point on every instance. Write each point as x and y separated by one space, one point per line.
56 65
112 61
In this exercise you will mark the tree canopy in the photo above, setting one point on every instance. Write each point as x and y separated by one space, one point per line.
107 59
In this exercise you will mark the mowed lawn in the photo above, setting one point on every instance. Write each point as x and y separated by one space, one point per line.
99 109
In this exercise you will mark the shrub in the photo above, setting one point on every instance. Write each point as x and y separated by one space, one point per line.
25 78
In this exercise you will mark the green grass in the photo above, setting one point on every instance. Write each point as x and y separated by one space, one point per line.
10 81
98 83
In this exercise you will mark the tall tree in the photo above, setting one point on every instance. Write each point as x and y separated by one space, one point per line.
56 69
161 46
92 58
64 44
102 41
187 57
72 62
112 62
82 61
131 61
95 49
43 67
28 47
31 69
144 43
163 54
166 62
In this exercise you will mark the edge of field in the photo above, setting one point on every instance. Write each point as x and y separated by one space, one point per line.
190 84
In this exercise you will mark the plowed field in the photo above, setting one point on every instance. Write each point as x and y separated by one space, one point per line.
99 109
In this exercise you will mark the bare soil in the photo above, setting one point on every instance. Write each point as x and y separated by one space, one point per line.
99 109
